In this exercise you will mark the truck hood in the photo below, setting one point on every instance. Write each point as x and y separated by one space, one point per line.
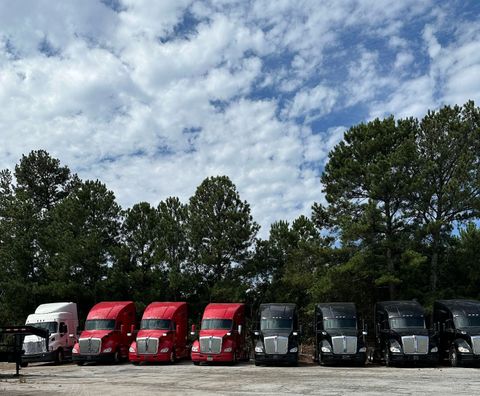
213 333
95 333
276 332
342 332
152 333
469 331
410 332
33 338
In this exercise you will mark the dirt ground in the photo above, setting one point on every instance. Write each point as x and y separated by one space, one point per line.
243 379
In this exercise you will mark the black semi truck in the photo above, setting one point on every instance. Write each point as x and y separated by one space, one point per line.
458 325
401 334
278 336
339 336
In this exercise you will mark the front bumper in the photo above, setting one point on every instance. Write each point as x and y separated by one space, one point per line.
430 358
40 357
468 358
331 358
291 358
100 358
158 357
222 357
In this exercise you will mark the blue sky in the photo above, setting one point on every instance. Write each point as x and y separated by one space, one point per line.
151 97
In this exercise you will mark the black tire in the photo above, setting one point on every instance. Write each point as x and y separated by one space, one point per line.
80 363
24 364
173 357
257 363
196 363
136 363
59 358
321 361
386 358
116 357
453 357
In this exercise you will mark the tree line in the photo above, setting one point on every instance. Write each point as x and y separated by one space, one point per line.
399 221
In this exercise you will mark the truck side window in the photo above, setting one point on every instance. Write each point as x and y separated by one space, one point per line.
63 328
449 324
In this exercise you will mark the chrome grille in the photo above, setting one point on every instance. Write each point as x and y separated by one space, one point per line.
210 344
344 345
147 345
276 345
415 345
476 345
34 347
90 346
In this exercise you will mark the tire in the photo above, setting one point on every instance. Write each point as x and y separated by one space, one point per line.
196 363
321 362
173 357
116 357
80 363
453 357
234 360
24 364
386 356
60 358
257 363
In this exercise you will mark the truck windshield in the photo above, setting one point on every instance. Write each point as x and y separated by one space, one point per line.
339 323
100 324
50 326
155 324
404 323
466 321
219 324
275 324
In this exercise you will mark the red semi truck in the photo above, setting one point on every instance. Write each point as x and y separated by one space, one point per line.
108 333
163 334
222 335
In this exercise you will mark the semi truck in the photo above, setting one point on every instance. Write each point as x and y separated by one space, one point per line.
222 336
162 336
401 334
109 332
278 336
339 334
60 319
458 325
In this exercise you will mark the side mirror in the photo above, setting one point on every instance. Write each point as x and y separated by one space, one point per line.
239 329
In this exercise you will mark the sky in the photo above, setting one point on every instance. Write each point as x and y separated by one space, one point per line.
151 97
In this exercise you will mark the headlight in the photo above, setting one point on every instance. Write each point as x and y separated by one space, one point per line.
326 349
194 348
395 347
229 349
131 349
434 350
164 350
74 350
294 349
258 349
107 350
363 349
462 349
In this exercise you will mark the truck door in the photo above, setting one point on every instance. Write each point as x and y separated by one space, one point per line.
63 334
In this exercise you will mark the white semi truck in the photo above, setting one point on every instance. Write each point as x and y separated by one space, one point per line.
61 321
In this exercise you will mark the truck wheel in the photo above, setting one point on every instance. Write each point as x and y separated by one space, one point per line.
321 362
388 362
80 363
173 358
257 363
59 359
116 357
196 363
24 364
452 356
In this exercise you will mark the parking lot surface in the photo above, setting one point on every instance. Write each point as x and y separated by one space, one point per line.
243 379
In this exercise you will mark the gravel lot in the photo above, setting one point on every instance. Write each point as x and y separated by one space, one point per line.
243 379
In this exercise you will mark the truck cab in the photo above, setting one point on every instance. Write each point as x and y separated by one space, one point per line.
222 334
458 325
163 334
108 333
401 334
278 336
60 319
339 336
